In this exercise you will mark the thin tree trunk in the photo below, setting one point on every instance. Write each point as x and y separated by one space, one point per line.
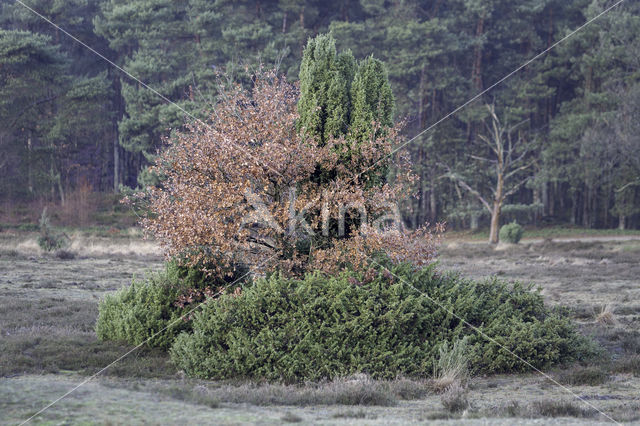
476 76
545 199
537 199
61 190
605 205
29 171
497 208
116 160
474 221
433 201
585 207
495 223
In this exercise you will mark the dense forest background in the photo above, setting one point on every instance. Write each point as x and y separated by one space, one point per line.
70 123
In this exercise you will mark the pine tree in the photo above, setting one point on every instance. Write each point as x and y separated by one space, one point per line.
31 82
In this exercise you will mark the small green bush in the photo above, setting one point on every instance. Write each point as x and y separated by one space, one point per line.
511 233
326 327
137 313
48 240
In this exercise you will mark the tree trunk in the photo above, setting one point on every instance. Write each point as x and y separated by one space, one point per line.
537 199
474 221
495 223
622 222
61 190
29 171
497 206
574 208
586 202
605 210
116 160
476 74
433 201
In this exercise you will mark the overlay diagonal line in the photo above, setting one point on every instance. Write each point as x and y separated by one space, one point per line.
492 340
137 80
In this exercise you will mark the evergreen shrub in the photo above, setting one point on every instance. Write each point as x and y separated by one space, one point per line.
323 327
511 233
48 240
136 313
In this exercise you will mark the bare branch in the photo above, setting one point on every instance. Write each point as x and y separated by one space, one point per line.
518 169
628 184
476 157
463 184
517 187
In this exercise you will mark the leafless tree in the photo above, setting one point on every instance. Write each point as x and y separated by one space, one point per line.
506 150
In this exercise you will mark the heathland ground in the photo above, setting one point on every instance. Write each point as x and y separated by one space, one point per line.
48 308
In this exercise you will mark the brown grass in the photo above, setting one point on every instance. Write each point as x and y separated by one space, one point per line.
454 399
606 317
358 390
451 368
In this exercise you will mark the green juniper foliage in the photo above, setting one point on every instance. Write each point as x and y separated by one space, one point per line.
339 97
135 313
326 327
511 233
325 80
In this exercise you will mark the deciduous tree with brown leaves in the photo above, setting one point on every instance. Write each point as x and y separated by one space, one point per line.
249 187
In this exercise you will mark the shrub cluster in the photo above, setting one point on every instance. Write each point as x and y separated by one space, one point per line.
141 312
136 313
325 327
511 233
48 240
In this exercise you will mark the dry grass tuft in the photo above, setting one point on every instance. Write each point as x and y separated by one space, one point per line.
357 414
454 399
354 390
629 364
606 317
559 408
543 408
451 368
409 389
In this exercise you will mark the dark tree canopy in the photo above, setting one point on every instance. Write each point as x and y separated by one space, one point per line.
70 119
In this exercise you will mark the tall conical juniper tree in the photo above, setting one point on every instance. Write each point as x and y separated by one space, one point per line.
342 98
349 103
325 80
371 97
339 97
